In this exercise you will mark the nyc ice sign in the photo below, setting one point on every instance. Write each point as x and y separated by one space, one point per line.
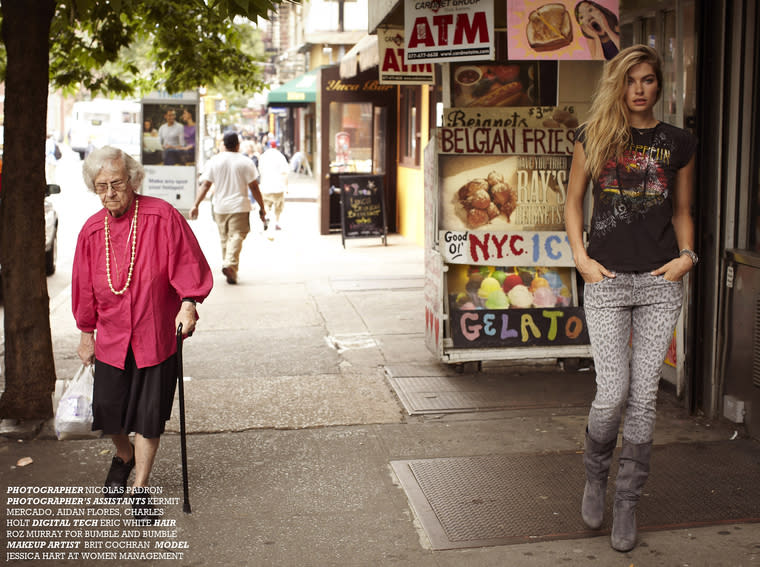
506 248
438 31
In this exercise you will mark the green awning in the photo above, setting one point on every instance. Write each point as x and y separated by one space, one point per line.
301 90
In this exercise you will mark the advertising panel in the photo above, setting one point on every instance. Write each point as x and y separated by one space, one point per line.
433 288
503 192
393 68
439 31
169 147
563 29
509 274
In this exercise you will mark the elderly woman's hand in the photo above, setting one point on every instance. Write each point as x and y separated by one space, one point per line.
187 316
86 348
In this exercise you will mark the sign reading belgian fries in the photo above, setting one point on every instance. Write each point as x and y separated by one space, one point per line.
505 178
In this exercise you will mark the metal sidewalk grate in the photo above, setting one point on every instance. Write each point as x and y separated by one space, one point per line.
423 393
507 499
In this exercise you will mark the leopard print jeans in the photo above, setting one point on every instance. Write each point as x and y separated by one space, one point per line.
630 320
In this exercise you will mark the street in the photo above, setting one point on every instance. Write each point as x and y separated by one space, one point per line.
302 451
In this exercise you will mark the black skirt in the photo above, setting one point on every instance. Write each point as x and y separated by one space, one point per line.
133 400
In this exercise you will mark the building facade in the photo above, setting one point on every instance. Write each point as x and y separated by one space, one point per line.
711 87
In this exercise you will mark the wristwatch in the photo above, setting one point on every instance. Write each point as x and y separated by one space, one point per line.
691 254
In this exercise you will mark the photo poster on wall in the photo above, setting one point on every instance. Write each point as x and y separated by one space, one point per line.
169 148
503 83
503 192
563 29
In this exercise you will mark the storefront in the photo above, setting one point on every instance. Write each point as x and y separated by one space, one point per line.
710 87
292 114
357 116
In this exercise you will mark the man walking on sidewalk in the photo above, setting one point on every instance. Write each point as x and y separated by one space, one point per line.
273 167
232 174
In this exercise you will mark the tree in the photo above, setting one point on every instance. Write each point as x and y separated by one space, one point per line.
84 44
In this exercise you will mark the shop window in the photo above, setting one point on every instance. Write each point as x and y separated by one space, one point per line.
351 137
410 126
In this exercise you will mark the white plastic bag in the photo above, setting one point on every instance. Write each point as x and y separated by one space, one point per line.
73 416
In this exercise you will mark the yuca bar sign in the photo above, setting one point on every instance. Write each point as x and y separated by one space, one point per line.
438 31
518 327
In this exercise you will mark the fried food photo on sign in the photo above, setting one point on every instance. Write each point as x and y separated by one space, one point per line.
483 199
490 85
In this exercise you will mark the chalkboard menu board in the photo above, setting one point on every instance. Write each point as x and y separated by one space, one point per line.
362 207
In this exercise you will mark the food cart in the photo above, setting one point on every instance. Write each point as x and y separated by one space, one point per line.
500 282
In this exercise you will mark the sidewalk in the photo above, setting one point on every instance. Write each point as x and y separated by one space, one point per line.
293 424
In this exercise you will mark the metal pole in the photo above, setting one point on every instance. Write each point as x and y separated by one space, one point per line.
182 434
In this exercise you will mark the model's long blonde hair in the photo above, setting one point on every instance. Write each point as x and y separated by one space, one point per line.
608 126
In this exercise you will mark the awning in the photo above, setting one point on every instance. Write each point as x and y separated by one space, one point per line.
301 90
364 53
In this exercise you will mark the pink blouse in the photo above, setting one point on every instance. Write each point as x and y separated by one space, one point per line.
169 265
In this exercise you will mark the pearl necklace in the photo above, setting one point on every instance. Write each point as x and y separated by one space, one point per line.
134 253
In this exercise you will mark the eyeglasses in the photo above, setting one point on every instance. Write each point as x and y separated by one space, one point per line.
119 185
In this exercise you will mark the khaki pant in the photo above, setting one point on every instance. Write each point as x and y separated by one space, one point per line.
274 202
233 228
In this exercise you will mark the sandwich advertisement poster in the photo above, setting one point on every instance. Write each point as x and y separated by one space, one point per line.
563 29
439 31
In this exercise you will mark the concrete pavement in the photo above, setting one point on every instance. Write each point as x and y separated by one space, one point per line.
293 424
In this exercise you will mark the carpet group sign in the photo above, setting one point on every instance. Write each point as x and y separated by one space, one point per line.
438 31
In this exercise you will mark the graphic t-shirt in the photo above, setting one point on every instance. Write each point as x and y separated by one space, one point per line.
631 226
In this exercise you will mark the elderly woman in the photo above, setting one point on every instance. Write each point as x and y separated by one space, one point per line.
138 272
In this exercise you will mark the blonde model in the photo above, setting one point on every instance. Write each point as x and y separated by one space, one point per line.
641 244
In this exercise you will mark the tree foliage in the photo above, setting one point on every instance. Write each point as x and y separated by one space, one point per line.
88 45
192 43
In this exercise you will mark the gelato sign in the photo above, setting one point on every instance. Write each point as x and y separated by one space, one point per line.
518 327
512 248
438 31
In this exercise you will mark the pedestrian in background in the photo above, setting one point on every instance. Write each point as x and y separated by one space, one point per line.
249 149
641 245
273 167
232 174
52 155
138 272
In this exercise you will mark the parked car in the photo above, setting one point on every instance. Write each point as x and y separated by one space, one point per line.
51 233
51 230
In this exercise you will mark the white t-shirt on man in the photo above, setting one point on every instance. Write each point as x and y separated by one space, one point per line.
231 173
273 166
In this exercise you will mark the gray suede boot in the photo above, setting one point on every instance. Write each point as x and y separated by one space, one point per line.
632 474
597 458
